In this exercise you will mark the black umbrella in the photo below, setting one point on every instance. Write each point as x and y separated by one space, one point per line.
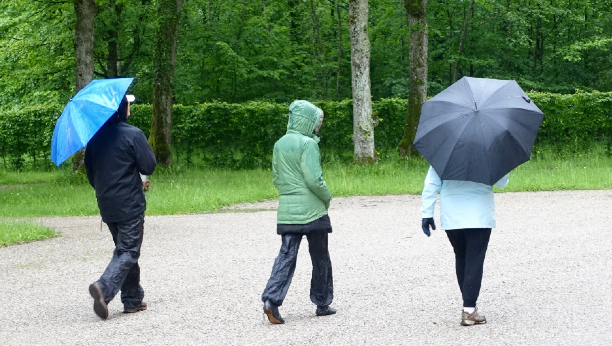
478 129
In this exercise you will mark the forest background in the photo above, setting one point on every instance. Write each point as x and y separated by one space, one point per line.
280 50
272 52
275 51
239 63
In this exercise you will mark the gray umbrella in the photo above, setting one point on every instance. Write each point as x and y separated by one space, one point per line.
478 129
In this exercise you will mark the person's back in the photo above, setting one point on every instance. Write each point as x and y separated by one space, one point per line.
302 211
299 179
467 214
115 156
296 166
466 204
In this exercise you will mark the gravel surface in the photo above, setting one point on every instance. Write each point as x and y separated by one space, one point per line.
547 279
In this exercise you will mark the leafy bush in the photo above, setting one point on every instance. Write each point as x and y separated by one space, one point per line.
574 122
27 133
243 135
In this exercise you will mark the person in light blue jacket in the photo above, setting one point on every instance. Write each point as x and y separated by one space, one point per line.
467 213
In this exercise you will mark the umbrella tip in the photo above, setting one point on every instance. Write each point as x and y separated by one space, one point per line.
68 97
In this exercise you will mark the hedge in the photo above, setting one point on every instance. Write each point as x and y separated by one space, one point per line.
242 135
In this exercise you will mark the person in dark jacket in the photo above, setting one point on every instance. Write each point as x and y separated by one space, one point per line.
302 211
115 157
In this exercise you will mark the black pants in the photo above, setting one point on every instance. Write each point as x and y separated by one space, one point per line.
470 246
123 271
321 284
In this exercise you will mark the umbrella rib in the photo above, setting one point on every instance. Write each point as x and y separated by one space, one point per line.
483 102
454 145
468 106
510 97
444 113
490 169
433 128
494 121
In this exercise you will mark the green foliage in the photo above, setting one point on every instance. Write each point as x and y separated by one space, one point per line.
237 51
185 189
17 232
26 133
227 135
574 122
36 51
552 45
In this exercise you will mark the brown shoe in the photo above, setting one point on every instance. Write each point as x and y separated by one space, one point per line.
100 307
142 306
473 318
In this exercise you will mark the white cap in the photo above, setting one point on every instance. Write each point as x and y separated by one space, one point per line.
130 98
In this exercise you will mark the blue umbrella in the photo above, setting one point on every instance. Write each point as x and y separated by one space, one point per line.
85 114
478 129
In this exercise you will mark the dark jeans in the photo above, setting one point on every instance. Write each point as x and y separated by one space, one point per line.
321 284
470 246
123 271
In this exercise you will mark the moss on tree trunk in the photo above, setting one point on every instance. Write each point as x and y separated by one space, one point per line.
416 16
160 137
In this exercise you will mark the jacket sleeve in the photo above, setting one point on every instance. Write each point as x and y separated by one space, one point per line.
501 183
431 187
312 172
275 171
89 168
145 158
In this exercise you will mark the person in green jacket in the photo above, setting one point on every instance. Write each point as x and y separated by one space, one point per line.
302 210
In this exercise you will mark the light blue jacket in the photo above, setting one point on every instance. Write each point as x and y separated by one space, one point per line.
463 204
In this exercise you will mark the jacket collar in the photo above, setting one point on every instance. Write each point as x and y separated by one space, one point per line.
313 136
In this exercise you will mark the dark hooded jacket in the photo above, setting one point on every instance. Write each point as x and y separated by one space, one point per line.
114 157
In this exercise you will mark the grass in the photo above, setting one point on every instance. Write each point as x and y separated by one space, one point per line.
183 190
549 171
17 232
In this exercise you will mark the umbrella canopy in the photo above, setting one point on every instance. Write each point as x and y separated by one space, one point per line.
478 129
85 114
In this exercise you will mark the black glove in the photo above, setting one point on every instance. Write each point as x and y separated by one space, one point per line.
427 221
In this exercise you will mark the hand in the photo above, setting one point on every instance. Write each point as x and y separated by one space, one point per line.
427 221
146 184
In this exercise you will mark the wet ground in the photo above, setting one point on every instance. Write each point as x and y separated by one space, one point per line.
547 280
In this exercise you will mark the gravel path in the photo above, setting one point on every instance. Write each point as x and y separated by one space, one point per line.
547 279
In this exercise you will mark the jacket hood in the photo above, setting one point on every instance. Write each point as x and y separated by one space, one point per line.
304 117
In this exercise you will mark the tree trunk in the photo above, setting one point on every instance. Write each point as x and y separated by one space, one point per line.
294 32
416 11
163 73
339 49
462 41
85 11
363 124
536 50
319 56
112 62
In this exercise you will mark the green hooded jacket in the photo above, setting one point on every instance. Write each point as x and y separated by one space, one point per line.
296 166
